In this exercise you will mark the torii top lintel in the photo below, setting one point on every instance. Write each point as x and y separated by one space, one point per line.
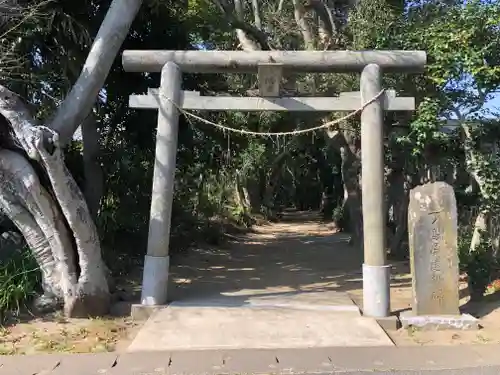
298 61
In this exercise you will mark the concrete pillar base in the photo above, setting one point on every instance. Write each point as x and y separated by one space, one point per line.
155 280
376 291
142 313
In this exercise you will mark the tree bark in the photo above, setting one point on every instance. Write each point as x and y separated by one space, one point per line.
92 294
304 27
107 43
246 43
242 195
35 214
481 226
256 14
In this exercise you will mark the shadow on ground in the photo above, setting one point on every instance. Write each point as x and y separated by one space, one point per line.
297 255
486 306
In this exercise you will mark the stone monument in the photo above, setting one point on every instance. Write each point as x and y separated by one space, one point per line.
432 230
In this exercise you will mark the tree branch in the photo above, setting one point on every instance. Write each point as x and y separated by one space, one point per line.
327 26
256 14
19 117
483 95
246 43
280 6
107 43
299 13
234 15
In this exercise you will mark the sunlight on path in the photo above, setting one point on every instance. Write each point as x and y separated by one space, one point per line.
282 286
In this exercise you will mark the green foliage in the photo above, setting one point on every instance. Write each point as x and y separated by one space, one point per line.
339 217
240 216
370 21
484 162
425 129
466 43
464 240
19 281
479 264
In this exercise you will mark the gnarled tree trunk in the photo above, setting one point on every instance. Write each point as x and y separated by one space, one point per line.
53 216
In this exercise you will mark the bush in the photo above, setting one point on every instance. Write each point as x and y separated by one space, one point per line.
479 265
339 217
19 281
464 240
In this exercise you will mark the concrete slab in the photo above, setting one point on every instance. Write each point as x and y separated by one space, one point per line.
416 360
293 361
140 312
389 323
439 322
403 358
85 364
29 364
204 362
255 327
488 354
156 363
282 286
250 362
328 300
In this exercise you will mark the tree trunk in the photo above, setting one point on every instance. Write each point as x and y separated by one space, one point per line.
474 158
481 227
242 195
350 175
399 200
272 182
36 215
254 194
495 236
94 178
55 223
92 294
106 46
350 169
480 250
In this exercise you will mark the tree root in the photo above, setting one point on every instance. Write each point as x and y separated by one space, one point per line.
85 306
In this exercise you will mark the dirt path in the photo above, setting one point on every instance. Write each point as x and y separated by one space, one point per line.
298 254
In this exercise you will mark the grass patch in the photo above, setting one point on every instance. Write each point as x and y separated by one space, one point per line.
19 282
65 336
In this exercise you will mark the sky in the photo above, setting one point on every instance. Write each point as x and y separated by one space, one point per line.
494 104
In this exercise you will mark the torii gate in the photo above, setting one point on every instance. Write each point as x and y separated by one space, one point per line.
270 65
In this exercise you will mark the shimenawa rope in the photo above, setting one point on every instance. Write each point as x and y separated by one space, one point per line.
272 134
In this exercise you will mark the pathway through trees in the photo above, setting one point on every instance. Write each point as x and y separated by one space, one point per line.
297 254
283 286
